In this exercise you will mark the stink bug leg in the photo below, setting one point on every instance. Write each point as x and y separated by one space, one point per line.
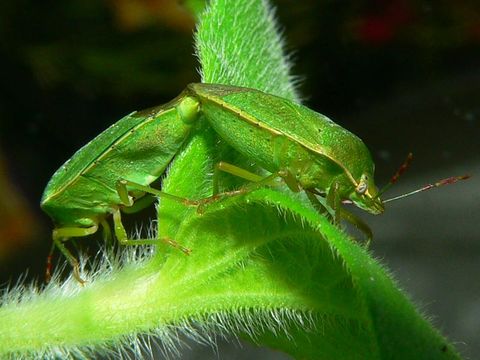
332 208
122 237
119 229
127 200
333 201
256 181
358 223
59 237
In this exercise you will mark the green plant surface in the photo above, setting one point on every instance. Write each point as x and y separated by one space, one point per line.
264 266
239 44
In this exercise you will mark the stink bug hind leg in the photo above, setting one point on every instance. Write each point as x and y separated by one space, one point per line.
122 189
131 207
123 239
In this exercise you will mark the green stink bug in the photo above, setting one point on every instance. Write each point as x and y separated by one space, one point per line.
113 172
83 192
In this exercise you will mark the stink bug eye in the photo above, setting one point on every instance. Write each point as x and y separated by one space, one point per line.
362 185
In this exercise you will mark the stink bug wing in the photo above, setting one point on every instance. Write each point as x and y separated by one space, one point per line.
97 147
89 152
281 115
306 127
142 155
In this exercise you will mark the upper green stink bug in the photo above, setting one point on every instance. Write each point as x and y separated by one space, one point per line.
308 150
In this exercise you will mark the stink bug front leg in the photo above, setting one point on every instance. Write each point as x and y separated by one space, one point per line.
333 202
358 223
341 213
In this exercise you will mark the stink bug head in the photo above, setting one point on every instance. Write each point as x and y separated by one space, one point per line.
366 195
351 160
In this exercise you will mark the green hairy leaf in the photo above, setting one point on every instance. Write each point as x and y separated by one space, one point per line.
239 44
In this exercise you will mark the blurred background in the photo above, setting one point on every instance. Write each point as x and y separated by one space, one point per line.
403 75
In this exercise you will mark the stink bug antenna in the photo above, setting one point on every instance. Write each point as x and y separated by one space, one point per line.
447 181
405 165
403 168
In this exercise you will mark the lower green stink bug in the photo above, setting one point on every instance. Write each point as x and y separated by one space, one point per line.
113 172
